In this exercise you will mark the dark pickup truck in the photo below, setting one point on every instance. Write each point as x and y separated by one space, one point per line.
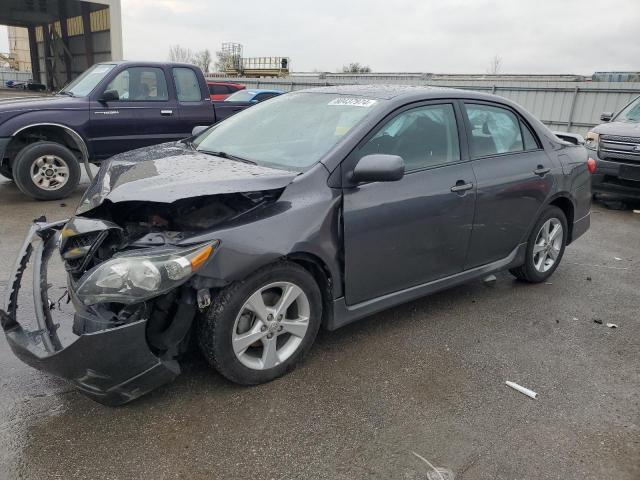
615 146
111 108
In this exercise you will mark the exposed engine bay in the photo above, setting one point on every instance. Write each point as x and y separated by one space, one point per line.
186 215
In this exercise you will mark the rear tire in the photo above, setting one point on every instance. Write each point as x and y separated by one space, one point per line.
46 171
232 319
544 247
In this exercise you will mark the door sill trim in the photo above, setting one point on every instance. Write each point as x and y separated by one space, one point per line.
344 314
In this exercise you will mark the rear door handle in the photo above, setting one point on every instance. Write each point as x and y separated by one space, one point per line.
542 171
166 113
460 186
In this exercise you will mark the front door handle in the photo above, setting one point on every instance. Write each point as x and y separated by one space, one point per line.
166 113
541 171
460 186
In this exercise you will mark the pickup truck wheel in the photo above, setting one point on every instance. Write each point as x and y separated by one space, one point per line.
5 171
545 247
260 328
46 171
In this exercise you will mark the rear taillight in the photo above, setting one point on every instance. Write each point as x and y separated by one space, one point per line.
591 165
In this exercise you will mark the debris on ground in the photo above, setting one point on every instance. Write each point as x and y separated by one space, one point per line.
612 325
598 321
636 211
617 258
548 283
575 319
521 389
63 205
436 473
588 279
489 279
441 474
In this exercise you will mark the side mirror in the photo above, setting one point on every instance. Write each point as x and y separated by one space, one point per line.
378 168
110 96
574 138
606 116
198 130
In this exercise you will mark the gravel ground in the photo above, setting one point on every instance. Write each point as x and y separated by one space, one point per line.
427 377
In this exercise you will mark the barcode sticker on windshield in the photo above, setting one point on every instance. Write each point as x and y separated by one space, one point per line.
353 102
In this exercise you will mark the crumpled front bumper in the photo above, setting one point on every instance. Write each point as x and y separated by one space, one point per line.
112 366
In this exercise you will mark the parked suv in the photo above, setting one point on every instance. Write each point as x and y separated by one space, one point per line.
615 146
315 208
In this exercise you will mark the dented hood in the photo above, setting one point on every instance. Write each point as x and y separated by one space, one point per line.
172 171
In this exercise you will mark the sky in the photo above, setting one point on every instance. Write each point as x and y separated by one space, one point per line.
443 36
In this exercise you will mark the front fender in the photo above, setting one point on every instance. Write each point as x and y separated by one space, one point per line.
74 126
284 229
74 119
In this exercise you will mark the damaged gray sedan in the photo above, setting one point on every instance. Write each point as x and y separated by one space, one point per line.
314 209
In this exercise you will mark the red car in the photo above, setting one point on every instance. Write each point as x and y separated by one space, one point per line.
221 90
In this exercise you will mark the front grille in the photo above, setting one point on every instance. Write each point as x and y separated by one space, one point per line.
618 148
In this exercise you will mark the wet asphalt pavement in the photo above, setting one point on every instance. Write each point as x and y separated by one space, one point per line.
427 377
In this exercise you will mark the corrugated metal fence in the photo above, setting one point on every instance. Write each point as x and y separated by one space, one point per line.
562 105
13 75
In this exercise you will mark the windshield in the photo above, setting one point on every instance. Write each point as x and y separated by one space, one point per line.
241 96
631 113
292 131
85 83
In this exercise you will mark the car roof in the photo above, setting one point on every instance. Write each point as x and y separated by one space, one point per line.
402 92
147 64
213 82
262 90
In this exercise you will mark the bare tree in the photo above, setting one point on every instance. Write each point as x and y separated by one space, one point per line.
180 54
221 61
355 67
203 60
495 67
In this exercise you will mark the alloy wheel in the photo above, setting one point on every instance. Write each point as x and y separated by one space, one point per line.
271 325
49 172
547 245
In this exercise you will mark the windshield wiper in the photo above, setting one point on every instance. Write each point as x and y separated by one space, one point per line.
227 156
65 92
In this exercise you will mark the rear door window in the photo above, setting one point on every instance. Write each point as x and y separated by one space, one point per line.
494 130
261 97
218 90
187 86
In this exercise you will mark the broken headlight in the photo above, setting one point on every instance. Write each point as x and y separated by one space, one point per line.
591 142
135 277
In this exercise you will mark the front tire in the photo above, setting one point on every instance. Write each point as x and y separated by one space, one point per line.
260 328
545 247
46 171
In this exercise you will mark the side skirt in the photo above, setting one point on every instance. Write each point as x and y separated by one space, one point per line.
344 314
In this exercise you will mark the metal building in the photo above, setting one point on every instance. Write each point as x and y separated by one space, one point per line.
65 37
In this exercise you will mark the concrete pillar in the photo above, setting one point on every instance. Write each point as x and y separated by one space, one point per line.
48 64
86 28
33 51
